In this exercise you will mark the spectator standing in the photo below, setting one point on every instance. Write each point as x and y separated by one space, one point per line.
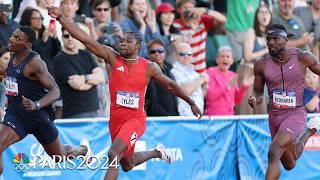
69 9
240 16
293 24
311 95
77 75
159 101
310 16
108 31
169 33
46 43
223 91
140 18
190 81
7 27
254 48
194 24
4 61
42 7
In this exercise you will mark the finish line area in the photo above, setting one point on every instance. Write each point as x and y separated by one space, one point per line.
219 147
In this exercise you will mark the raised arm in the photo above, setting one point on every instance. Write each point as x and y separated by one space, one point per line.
105 52
155 72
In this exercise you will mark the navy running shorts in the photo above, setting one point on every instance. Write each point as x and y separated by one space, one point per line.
42 127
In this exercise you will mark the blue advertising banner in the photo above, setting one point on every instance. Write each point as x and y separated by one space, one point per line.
212 148
253 144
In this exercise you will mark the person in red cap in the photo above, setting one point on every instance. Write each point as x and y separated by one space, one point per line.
165 18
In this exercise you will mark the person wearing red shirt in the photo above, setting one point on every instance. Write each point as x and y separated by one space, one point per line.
194 24
129 77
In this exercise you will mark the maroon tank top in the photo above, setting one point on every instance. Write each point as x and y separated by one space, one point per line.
285 82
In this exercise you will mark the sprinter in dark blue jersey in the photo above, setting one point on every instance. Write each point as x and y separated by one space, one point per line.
31 90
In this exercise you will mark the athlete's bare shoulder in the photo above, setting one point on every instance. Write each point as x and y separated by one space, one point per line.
35 66
35 62
307 58
259 66
153 69
305 54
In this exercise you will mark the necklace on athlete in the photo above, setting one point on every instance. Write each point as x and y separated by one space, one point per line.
281 61
134 59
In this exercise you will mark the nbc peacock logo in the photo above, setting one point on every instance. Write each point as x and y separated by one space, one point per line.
21 162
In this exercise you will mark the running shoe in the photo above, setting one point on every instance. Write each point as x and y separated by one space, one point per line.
314 123
165 154
89 154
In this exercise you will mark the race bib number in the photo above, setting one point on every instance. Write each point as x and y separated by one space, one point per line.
284 99
128 99
11 86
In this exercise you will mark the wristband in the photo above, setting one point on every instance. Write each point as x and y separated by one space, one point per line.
37 103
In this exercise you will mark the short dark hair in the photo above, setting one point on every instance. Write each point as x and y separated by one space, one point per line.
155 41
96 3
137 36
29 32
277 26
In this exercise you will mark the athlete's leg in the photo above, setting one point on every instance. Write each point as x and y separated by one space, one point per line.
281 141
295 150
7 137
11 131
118 148
302 140
47 135
127 163
55 148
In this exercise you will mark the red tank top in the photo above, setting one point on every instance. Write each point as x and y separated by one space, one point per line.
127 90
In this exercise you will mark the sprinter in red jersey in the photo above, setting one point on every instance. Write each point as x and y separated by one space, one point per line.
129 77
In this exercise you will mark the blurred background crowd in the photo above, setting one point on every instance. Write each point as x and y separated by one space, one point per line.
208 47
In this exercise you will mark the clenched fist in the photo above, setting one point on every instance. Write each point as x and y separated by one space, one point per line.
252 101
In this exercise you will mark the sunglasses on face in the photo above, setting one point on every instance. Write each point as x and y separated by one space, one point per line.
102 9
183 54
153 51
66 36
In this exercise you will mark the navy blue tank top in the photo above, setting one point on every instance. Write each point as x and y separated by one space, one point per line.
31 89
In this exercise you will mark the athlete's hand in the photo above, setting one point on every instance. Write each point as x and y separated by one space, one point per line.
196 111
53 12
252 101
28 104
